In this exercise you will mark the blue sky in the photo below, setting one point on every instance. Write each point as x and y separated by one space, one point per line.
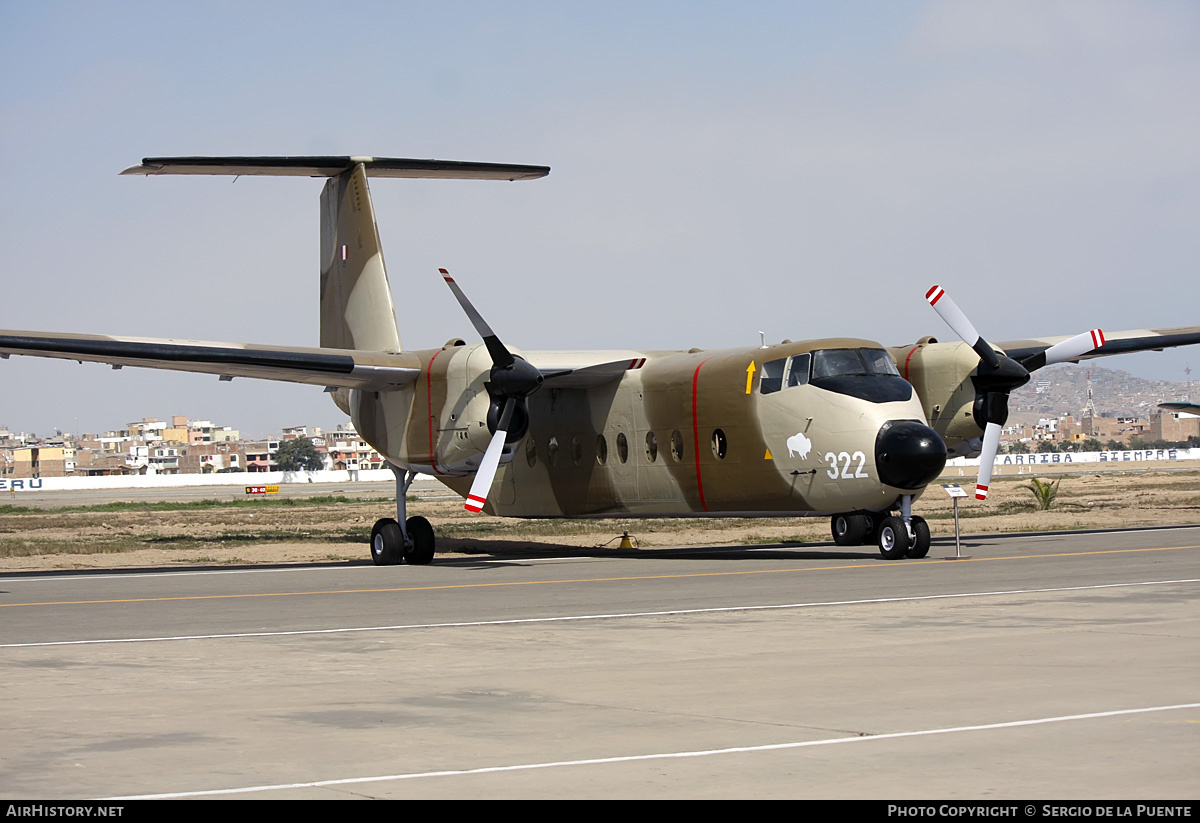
807 169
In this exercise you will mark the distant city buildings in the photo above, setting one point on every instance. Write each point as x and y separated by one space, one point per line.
178 446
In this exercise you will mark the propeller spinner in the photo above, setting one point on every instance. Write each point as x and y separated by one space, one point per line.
999 374
511 380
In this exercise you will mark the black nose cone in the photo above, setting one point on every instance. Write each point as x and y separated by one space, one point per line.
908 454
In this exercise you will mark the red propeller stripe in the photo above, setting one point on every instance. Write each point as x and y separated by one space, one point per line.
933 298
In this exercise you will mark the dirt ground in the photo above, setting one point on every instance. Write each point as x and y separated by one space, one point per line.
281 531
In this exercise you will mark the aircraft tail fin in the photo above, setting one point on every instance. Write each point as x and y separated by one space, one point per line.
356 300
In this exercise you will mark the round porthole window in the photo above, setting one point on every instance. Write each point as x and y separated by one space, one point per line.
651 446
601 450
676 445
622 447
576 450
530 452
552 451
719 445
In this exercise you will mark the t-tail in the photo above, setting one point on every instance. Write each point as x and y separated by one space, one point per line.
357 311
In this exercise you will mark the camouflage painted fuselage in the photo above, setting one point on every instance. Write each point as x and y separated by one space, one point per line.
678 433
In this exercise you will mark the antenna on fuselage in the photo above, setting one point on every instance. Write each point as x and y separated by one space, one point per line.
762 340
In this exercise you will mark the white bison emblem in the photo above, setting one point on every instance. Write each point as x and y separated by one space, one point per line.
799 444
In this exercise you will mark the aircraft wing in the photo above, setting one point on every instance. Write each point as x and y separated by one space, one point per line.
1121 342
585 370
375 371
1189 408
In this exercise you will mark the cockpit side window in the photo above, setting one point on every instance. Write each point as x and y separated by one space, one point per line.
772 376
798 369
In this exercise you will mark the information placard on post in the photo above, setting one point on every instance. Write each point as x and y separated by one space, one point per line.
955 491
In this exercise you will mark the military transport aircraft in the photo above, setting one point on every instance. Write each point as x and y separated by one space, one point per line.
843 427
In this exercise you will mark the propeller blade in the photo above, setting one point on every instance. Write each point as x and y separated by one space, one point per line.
477 497
987 458
949 311
501 356
1070 349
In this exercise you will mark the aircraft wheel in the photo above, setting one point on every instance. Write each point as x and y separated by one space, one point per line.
892 538
420 553
848 529
921 538
868 536
387 542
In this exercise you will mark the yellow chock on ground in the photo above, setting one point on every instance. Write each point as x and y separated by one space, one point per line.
626 542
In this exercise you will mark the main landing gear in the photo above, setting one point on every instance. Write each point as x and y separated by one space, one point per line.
413 542
896 537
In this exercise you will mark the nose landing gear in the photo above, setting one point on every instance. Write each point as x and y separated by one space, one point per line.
906 535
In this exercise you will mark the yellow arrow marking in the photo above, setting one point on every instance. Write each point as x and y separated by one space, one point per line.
768 456
749 376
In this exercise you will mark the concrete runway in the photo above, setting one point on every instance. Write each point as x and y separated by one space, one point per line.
1053 666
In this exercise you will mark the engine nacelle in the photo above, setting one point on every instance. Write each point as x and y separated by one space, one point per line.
437 424
941 374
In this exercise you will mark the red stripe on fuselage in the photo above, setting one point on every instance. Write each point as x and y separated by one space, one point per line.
906 359
429 393
696 433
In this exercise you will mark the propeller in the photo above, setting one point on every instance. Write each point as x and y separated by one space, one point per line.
999 374
511 380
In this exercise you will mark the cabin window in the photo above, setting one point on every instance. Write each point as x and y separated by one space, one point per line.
552 451
622 447
772 376
719 446
676 445
576 450
530 452
601 450
651 447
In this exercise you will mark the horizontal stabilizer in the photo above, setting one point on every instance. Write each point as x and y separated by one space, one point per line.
332 166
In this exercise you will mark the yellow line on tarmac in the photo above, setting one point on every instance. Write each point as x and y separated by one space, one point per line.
585 579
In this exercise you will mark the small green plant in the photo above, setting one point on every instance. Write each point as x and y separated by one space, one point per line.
1044 491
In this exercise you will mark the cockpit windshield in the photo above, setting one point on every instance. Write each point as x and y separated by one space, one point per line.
852 362
838 370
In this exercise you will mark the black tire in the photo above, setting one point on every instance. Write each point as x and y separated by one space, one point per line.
420 553
871 521
921 538
848 529
387 542
892 538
